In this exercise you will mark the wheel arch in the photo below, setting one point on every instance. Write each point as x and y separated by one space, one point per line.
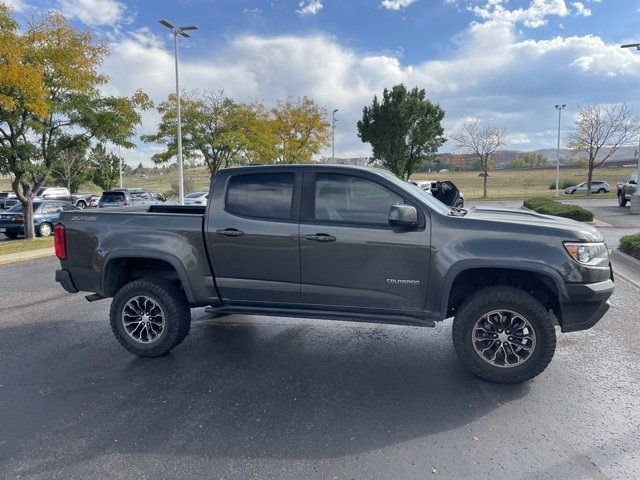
122 267
467 277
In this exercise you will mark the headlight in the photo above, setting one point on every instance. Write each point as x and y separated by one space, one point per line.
592 254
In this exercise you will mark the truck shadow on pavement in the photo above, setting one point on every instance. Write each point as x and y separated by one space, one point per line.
243 389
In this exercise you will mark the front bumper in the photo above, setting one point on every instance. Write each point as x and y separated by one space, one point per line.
63 277
586 304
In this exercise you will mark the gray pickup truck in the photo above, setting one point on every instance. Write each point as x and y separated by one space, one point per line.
627 189
344 243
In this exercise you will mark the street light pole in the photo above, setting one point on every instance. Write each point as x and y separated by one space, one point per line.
559 108
333 136
120 164
635 198
182 32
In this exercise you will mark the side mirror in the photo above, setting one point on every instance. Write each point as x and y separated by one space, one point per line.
404 216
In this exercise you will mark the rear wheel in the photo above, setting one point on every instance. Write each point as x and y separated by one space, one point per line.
81 204
149 317
622 201
45 229
601 190
504 335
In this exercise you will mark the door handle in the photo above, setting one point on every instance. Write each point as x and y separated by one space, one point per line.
321 237
230 232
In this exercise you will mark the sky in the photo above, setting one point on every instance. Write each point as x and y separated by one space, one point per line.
503 62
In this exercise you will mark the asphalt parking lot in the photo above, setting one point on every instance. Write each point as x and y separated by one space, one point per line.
285 398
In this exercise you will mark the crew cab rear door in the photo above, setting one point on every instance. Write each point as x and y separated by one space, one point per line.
350 255
252 235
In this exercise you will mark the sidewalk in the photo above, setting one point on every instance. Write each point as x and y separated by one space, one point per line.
23 256
626 267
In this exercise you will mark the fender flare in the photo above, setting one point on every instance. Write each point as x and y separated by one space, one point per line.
523 266
151 255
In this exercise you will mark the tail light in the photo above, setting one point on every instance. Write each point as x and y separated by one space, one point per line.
18 218
59 242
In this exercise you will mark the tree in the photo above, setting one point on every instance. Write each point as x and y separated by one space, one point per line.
300 128
528 160
213 128
72 168
105 167
481 142
404 129
599 131
50 101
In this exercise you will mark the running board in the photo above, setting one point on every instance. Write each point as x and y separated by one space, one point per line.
217 311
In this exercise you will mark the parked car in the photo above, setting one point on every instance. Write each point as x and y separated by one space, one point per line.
57 193
11 201
196 198
46 214
626 189
114 198
445 191
145 197
4 196
597 186
85 200
338 242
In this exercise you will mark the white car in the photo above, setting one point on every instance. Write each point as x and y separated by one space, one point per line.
196 198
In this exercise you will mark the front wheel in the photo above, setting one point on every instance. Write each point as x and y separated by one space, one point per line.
504 335
81 204
149 317
602 190
622 201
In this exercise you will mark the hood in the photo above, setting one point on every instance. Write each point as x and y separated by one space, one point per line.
532 222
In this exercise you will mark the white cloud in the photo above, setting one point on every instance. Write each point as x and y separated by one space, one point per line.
15 5
534 16
581 9
309 7
491 73
93 12
396 4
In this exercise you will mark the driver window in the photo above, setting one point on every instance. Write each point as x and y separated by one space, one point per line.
349 199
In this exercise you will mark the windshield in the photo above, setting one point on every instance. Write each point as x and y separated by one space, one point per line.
423 196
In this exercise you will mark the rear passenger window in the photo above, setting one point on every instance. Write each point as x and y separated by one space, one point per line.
264 195
344 198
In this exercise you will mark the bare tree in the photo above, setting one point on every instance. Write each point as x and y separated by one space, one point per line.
599 131
71 167
481 142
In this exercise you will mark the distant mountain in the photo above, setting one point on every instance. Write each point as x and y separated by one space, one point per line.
501 157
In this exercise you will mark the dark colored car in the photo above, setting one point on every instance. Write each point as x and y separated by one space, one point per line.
344 243
114 198
46 214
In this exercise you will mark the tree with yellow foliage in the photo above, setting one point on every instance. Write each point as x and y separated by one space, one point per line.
50 101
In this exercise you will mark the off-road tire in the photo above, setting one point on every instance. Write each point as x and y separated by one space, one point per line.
622 201
508 298
174 304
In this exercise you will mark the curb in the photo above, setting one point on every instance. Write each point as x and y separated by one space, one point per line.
24 256
626 267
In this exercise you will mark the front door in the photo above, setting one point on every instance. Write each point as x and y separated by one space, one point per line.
350 256
253 237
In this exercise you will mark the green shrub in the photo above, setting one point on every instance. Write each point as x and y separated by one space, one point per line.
563 184
630 244
548 206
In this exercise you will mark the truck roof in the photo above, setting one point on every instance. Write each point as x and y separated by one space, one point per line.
302 166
